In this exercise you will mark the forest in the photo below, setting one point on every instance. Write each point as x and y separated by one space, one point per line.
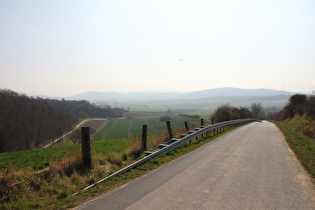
84 109
27 122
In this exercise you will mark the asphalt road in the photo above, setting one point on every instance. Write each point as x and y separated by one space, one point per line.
251 167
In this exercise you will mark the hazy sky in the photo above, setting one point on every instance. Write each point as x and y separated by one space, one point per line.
64 47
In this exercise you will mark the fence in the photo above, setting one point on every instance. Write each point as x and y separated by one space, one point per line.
174 143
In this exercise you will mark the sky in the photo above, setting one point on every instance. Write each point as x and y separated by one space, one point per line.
65 47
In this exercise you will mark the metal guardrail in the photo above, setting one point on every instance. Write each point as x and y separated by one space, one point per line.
172 144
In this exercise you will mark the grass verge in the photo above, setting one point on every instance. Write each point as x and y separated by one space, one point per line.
53 187
302 146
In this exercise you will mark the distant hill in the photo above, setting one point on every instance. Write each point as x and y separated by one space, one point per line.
228 91
196 100
94 96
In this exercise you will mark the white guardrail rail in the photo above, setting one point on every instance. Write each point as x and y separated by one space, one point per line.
174 143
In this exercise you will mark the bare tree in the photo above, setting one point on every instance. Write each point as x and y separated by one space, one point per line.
256 108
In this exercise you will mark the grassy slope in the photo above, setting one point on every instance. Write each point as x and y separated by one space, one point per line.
303 124
38 159
303 146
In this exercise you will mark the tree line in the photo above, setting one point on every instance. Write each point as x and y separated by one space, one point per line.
227 112
298 104
27 122
84 109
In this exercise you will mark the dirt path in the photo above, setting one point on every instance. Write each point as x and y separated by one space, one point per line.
76 127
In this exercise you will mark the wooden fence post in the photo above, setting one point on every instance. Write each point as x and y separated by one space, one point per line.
186 126
144 138
201 122
86 147
212 120
168 124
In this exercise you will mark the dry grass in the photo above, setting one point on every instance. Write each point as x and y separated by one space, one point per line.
135 148
61 179
116 159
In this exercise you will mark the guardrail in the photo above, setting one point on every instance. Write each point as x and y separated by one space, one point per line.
174 143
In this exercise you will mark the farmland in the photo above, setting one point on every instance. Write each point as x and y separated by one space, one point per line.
201 112
129 128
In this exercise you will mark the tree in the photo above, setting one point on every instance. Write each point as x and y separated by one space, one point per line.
297 105
256 108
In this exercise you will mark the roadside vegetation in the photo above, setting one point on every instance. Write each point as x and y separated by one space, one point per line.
297 122
302 146
62 173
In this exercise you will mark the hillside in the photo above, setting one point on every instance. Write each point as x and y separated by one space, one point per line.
27 123
303 124
299 113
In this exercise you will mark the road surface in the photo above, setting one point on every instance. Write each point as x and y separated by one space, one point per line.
251 167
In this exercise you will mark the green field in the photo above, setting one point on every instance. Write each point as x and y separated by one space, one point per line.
37 159
201 112
129 128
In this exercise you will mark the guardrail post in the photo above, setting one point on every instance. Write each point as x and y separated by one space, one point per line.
212 120
168 124
144 138
201 122
86 147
